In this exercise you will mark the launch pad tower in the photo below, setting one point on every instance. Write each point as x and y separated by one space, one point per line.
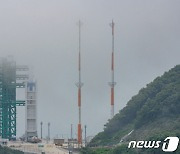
9 81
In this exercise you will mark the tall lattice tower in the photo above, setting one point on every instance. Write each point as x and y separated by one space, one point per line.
79 85
9 81
112 83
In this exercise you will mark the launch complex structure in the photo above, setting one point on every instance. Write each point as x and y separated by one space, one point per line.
14 76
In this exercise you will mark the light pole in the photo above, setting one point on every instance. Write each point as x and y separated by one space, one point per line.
41 129
48 131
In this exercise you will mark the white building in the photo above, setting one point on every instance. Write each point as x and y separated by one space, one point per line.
31 110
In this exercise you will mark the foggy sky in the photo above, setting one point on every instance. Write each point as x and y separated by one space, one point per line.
44 34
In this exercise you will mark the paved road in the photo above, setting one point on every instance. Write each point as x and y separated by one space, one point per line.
37 148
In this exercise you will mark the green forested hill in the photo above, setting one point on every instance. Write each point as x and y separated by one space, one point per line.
153 113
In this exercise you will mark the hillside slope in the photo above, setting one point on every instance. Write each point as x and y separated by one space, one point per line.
154 112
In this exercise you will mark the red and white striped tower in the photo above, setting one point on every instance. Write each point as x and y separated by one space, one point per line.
79 85
112 83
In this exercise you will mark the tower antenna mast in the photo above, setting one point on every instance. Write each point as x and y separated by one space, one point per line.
79 85
112 83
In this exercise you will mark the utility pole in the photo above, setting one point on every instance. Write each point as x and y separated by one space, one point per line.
112 83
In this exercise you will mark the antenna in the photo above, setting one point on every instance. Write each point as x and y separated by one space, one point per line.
112 83
79 85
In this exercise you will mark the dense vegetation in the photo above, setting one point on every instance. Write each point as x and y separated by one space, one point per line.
153 112
124 150
6 150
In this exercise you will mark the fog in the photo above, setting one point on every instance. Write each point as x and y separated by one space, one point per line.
44 34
